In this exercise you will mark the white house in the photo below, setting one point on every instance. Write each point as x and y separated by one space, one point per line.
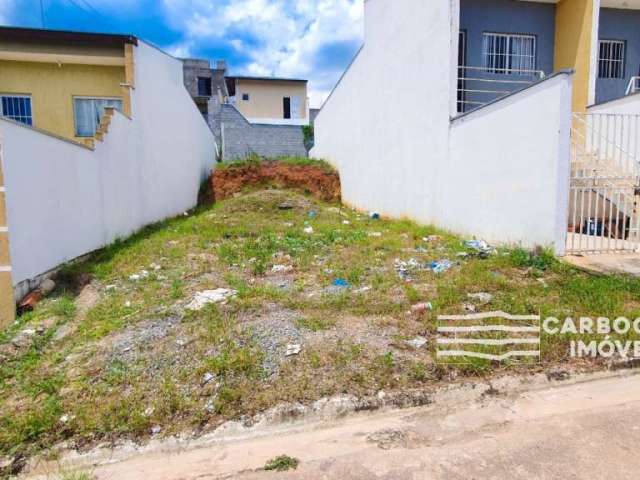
494 132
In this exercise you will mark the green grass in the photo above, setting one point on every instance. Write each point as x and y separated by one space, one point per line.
77 476
293 161
137 359
282 463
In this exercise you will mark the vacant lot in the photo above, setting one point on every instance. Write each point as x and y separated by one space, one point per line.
116 351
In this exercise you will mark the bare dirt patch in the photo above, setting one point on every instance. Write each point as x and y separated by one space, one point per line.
316 180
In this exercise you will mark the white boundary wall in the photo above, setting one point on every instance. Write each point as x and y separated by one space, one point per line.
64 200
386 125
501 173
507 176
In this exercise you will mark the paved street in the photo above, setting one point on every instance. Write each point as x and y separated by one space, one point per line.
590 430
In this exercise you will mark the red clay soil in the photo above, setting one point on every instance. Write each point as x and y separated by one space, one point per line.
311 179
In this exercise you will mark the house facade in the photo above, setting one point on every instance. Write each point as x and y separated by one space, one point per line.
504 44
272 101
249 115
98 138
61 82
517 121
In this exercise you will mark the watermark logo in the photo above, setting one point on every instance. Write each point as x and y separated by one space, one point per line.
495 336
597 337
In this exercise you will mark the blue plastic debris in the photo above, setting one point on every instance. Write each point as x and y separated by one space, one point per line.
341 282
480 246
374 216
441 266
313 214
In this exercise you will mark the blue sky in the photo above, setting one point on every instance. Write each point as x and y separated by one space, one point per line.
313 39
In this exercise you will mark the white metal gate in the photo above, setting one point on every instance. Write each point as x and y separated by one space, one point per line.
604 195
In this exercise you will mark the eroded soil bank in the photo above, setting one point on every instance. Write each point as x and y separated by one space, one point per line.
317 180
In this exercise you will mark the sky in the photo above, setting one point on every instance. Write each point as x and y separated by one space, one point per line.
312 39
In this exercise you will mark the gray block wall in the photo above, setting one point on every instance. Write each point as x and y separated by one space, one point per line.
240 139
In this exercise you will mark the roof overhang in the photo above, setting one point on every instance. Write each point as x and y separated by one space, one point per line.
232 80
63 47
34 35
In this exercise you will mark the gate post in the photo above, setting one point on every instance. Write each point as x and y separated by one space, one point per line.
7 302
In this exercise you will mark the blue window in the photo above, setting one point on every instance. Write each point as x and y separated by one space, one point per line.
506 53
17 107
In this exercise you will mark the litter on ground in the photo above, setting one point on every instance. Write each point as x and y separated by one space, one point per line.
417 342
441 266
364 289
293 350
201 299
469 307
422 307
480 246
404 268
281 269
483 298
341 283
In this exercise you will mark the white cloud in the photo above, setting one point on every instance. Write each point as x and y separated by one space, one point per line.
279 37
180 50
6 8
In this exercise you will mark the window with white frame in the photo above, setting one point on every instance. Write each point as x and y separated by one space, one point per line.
611 59
17 107
89 111
509 53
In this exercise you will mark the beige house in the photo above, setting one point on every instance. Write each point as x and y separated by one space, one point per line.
275 101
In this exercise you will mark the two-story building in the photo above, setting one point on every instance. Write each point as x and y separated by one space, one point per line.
260 116
270 100
61 82
507 44
517 120
98 138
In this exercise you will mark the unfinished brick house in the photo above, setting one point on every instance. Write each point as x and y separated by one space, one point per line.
249 116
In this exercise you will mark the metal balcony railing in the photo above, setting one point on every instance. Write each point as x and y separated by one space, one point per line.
634 85
478 86
606 144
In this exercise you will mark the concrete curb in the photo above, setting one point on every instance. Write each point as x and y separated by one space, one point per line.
327 412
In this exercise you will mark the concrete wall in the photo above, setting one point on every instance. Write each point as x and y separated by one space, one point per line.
265 104
511 187
395 154
52 89
7 305
65 200
576 47
387 146
239 138
619 24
